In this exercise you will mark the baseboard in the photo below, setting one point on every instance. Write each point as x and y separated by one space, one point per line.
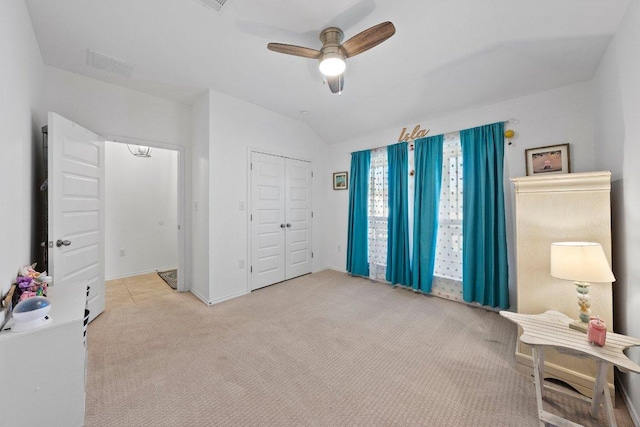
329 268
341 270
199 296
241 293
633 413
227 297
154 270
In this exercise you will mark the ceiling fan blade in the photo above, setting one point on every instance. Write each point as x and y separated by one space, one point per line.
290 49
367 39
336 83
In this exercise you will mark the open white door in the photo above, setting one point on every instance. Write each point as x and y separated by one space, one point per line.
76 208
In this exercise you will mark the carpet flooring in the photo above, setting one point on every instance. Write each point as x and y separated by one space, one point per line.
324 349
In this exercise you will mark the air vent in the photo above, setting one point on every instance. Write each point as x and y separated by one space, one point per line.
107 63
214 4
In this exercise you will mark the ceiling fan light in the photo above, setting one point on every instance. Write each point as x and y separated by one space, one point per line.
332 64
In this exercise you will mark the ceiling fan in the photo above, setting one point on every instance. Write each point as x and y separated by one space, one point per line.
333 54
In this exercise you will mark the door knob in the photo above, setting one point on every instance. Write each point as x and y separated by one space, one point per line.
282 225
62 243
288 225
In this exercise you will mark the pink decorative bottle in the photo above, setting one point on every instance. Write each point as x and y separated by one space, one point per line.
597 331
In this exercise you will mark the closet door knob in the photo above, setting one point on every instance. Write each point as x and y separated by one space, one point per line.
60 243
282 225
288 225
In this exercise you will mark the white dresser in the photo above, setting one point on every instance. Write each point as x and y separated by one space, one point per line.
42 372
555 208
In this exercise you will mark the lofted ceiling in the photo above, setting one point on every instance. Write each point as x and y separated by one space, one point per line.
445 55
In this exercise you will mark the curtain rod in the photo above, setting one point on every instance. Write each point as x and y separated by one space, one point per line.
510 121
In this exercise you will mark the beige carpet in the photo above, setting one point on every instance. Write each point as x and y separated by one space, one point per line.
322 350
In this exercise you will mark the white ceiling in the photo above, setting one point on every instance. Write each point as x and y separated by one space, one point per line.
445 55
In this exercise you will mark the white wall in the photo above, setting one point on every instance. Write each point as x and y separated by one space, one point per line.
235 126
114 111
199 210
141 211
554 117
617 130
21 116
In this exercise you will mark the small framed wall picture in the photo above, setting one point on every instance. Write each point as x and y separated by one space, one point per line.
551 159
340 181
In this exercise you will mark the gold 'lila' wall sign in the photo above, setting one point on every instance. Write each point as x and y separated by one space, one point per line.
415 134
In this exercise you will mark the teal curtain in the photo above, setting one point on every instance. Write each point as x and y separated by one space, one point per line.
485 275
358 229
398 257
428 180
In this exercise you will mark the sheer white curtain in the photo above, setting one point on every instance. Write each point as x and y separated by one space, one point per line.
378 213
448 268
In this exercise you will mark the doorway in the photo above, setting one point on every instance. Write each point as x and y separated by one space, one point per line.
144 247
74 211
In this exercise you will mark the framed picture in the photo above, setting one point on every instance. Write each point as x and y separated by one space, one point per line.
548 160
340 181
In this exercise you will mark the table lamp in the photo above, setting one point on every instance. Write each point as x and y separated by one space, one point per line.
583 263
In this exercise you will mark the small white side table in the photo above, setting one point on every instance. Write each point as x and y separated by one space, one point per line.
551 329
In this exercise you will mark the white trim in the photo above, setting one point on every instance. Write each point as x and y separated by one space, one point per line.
633 413
138 273
217 300
279 154
182 287
140 141
249 264
227 297
199 296
339 270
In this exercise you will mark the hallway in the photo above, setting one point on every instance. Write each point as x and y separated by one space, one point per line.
131 290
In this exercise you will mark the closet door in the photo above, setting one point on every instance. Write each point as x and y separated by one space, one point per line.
280 219
298 217
268 220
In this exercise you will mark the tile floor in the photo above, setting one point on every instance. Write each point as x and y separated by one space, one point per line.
131 290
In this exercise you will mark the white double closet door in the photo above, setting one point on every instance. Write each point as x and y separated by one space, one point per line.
280 219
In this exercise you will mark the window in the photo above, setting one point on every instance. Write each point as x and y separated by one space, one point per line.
378 213
448 266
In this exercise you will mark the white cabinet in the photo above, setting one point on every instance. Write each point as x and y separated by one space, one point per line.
555 208
43 371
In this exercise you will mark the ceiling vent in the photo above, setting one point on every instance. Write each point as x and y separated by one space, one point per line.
214 4
107 63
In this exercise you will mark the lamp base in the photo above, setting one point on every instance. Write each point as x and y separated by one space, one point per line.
579 325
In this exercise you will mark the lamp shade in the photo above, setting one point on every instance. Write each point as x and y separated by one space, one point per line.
580 262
